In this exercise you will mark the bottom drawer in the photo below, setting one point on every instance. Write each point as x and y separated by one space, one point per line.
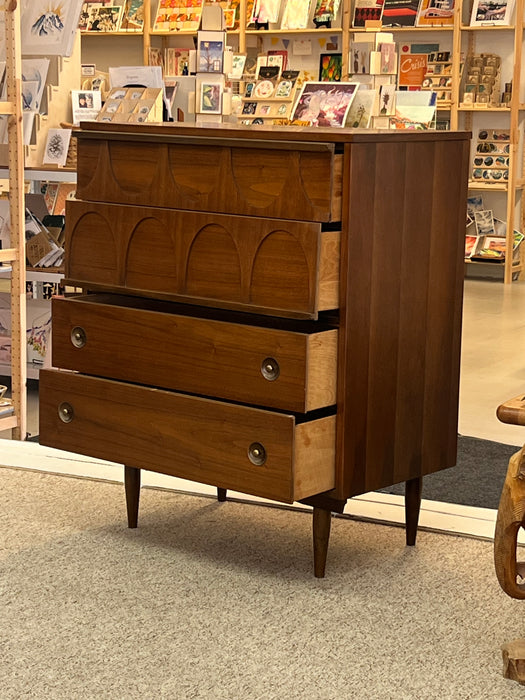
245 449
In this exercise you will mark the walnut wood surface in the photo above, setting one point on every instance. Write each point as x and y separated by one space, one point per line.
511 516
197 355
257 182
186 436
512 411
264 265
399 341
132 489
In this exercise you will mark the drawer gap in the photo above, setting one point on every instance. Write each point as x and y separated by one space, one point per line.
327 319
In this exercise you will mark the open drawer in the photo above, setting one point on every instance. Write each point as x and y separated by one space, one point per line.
270 266
156 343
236 447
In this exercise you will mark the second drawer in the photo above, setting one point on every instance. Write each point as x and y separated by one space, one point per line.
140 341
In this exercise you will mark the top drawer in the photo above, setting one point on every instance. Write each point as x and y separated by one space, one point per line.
300 184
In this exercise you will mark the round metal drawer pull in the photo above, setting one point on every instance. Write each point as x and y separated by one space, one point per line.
78 337
270 369
66 412
257 454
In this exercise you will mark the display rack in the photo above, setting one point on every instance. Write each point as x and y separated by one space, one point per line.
15 255
460 38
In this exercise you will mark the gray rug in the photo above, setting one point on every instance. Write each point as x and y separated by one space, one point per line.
217 601
476 480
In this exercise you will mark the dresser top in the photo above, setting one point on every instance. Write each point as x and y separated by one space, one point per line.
295 134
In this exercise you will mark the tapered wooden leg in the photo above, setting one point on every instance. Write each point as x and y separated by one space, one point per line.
413 489
132 488
221 494
321 531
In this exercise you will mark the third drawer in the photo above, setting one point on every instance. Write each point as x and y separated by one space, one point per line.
145 341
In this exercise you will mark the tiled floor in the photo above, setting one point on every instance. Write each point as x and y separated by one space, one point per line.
492 359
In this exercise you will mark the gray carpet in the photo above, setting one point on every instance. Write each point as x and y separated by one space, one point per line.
476 480
218 601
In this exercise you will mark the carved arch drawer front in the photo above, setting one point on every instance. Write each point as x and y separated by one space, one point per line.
287 184
264 453
271 266
118 338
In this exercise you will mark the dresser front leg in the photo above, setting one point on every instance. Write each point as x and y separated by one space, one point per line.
221 494
132 488
413 489
321 530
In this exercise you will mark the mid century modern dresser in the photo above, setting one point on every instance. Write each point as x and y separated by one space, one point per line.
273 311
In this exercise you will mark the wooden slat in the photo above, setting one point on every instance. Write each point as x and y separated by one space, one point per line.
17 219
7 108
9 255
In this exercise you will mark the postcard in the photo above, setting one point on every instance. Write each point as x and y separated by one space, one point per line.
57 146
49 28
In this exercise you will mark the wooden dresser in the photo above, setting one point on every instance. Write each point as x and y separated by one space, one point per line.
273 311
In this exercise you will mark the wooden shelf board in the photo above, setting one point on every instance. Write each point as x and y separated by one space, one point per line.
138 32
496 27
482 110
308 30
190 32
472 185
47 270
436 28
8 422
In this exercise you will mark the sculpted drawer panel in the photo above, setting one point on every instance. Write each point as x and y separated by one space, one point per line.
288 184
294 371
269 266
230 446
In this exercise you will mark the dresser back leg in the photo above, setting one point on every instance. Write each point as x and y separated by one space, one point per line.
321 531
132 488
413 489
221 494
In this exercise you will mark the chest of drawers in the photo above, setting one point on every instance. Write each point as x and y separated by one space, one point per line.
276 312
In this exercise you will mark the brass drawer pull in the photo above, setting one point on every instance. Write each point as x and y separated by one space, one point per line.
78 337
270 369
257 454
66 412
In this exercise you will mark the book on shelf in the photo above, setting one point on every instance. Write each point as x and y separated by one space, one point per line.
132 16
325 12
399 13
435 13
492 13
177 15
266 11
105 19
295 15
367 11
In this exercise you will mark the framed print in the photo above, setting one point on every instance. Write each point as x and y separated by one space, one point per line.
321 104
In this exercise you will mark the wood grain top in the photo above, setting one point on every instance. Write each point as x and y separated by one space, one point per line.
258 133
